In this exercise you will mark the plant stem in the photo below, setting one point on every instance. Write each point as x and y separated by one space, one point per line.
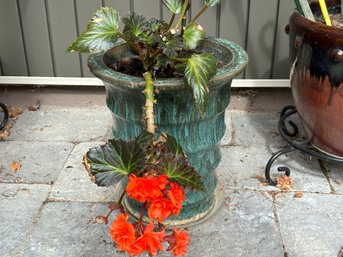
127 40
142 211
199 14
177 59
109 213
149 103
304 8
183 25
183 11
172 20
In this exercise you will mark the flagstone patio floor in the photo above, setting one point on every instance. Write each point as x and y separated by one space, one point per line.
48 206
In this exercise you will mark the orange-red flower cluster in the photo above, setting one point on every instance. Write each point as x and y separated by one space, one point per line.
170 204
124 235
146 188
163 198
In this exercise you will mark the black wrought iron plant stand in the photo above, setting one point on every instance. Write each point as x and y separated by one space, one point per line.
289 131
5 119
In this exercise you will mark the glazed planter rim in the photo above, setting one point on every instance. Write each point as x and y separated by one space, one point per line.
236 65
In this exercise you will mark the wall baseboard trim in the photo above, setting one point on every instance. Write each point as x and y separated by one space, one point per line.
95 82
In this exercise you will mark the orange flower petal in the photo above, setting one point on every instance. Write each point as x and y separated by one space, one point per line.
15 166
180 242
122 232
149 241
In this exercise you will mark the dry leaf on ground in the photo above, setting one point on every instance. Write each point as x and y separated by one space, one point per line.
34 108
298 194
13 112
284 183
4 134
15 166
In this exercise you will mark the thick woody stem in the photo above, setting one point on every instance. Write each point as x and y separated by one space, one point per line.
149 103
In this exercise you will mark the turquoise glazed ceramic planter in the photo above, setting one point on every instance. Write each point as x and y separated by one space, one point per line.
176 115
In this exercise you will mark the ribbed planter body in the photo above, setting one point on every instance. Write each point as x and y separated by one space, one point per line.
176 114
316 51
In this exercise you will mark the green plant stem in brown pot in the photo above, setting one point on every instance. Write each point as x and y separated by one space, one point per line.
169 81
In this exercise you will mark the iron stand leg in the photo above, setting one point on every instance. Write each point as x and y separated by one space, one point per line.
5 110
280 169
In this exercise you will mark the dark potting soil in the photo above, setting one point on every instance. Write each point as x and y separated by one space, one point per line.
133 66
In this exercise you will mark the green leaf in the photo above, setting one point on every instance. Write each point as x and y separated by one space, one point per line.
199 70
108 163
172 46
144 139
101 32
174 6
212 2
179 171
154 25
134 25
180 67
172 146
162 60
193 35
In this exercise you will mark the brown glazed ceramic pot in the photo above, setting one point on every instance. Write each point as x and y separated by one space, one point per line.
316 52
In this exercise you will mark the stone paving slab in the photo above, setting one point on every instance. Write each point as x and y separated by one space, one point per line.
62 124
18 206
258 129
246 221
67 229
244 226
311 225
41 162
74 183
244 167
335 174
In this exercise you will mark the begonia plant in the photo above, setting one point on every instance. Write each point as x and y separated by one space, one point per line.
154 164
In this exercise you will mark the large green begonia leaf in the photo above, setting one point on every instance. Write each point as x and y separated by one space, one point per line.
199 70
179 171
108 163
193 35
173 146
135 25
212 2
101 32
174 6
